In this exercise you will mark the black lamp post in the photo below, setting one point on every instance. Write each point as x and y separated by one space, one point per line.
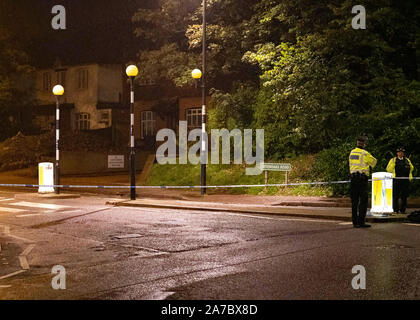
58 91
197 74
132 72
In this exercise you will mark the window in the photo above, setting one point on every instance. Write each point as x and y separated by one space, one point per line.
105 118
82 79
83 121
147 124
46 81
61 78
194 118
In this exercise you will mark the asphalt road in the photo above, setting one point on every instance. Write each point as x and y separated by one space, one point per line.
150 254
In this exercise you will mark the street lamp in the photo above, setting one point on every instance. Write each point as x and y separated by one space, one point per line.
132 72
58 91
201 74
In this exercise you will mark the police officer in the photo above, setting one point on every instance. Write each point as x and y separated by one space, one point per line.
402 168
360 160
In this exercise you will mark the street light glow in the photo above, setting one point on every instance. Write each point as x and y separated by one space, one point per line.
196 74
58 90
132 71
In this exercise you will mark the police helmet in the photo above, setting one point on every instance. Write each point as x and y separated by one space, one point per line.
400 149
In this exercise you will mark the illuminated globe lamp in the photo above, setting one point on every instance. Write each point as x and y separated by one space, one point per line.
196 74
58 90
132 71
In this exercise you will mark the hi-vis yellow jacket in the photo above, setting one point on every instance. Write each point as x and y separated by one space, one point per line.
391 167
360 160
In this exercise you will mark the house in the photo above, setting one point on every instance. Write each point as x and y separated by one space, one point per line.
157 108
96 97
93 96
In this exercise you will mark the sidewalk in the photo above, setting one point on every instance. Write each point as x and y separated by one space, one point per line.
292 206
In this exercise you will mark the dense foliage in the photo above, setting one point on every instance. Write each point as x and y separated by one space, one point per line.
299 70
16 86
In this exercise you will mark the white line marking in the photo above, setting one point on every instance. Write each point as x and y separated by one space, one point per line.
23 263
5 287
412 224
29 215
12 210
158 295
39 205
73 211
28 250
20 238
345 223
12 274
4 200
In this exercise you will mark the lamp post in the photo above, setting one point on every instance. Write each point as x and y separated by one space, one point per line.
58 91
132 72
197 74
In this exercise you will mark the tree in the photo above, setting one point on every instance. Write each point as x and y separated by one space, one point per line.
16 87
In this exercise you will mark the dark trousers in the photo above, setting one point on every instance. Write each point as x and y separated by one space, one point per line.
400 191
359 198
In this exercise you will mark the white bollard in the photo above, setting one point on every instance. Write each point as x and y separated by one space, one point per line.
382 193
46 177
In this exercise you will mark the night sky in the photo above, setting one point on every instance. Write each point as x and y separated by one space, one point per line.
97 30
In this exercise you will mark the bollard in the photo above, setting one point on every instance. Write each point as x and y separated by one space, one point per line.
46 177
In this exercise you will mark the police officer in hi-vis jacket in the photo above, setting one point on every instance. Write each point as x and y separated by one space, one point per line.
360 160
402 169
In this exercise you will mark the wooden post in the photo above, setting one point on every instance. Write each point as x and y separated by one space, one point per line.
266 180
287 177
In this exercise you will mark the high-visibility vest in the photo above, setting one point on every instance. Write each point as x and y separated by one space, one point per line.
360 160
391 167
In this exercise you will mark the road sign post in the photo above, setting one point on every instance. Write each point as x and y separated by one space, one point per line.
282 167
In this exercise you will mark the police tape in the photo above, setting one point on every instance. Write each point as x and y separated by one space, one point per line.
195 187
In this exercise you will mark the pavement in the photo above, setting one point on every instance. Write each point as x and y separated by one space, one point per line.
327 208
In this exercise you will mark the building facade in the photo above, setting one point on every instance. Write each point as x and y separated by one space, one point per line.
96 97
93 94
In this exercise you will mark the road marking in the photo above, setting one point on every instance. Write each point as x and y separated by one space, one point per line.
269 218
39 205
73 211
345 223
4 200
20 238
412 224
29 215
6 230
12 274
23 263
28 250
5 287
12 210
159 295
